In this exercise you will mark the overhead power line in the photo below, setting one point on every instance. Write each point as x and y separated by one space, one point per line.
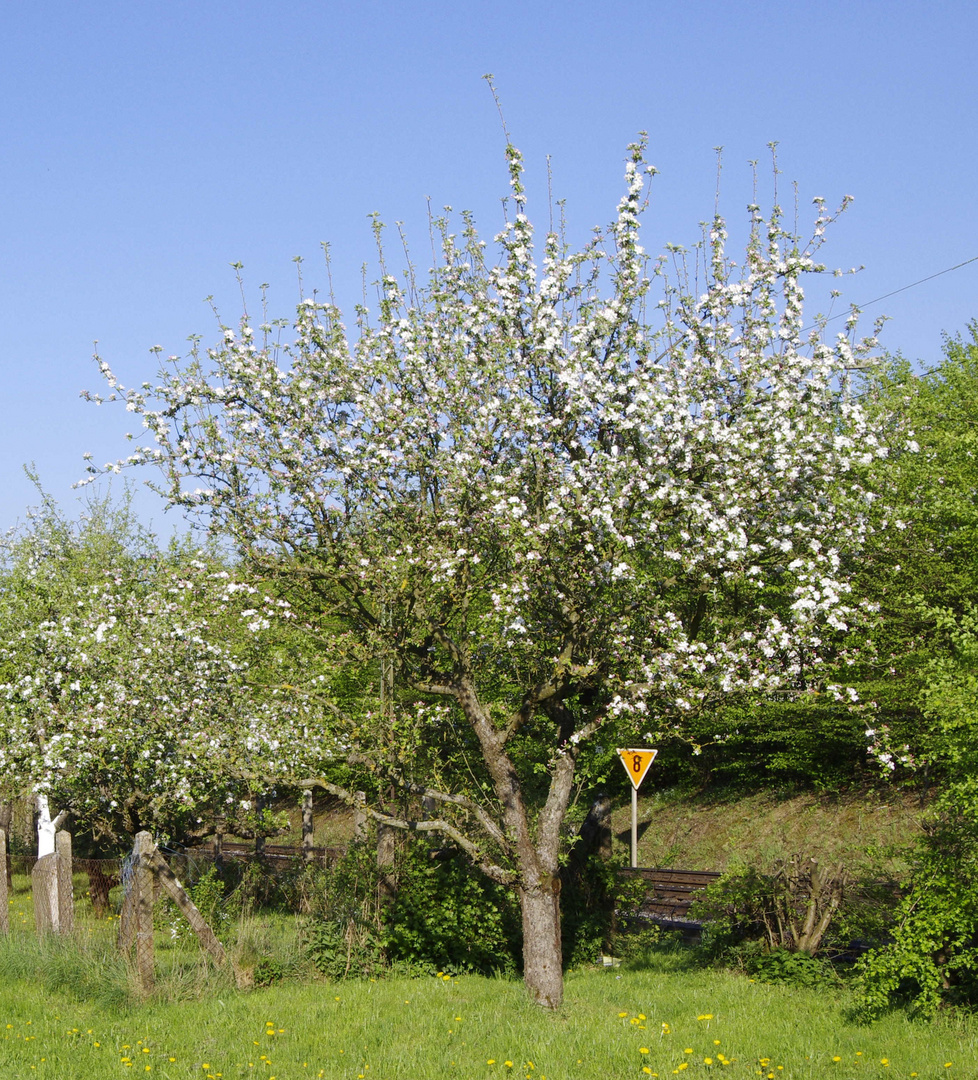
886 296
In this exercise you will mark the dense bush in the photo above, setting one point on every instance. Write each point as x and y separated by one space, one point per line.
932 958
789 924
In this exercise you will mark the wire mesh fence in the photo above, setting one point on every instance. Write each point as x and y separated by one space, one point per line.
228 881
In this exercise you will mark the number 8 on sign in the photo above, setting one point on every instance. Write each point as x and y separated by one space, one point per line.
637 764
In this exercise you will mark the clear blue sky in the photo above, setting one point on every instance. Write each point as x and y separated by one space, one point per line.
146 146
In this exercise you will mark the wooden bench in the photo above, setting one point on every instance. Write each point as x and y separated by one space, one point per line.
670 894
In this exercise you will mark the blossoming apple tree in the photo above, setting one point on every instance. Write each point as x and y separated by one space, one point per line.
546 503
128 687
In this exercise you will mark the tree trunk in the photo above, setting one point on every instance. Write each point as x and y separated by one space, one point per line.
47 826
542 961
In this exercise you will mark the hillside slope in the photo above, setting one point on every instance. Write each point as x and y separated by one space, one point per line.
869 831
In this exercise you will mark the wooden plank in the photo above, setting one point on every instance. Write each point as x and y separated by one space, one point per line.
198 924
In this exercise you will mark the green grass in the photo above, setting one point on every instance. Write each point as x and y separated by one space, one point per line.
868 831
66 1012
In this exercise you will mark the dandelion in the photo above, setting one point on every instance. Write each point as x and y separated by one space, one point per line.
643 1049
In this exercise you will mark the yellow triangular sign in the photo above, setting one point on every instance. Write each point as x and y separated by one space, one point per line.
637 764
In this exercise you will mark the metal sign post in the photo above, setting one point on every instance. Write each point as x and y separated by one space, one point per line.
636 764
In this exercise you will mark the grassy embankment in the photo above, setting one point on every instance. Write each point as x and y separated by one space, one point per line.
70 1013
63 1015
869 828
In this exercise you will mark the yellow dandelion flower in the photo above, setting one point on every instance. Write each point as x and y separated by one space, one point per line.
705 1016
491 1061
836 1058
707 1061
621 1015
643 1049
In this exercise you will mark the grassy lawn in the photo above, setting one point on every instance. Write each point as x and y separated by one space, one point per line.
72 1018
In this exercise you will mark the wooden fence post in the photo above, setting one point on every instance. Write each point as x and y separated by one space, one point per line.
65 886
359 815
44 885
6 822
259 825
307 827
143 883
219 845
4 912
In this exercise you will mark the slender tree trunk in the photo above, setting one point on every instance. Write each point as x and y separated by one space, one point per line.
542 962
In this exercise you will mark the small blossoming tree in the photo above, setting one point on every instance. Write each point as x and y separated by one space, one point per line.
543 502
130 693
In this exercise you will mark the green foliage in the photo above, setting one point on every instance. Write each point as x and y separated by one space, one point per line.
920 569
344 934
810 742
772 925
447 916
785 966
339 949
933 956
595 904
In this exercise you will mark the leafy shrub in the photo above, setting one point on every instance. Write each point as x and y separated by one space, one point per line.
787 925
343 935
932 958
595 905
341 948
447 915
784 966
